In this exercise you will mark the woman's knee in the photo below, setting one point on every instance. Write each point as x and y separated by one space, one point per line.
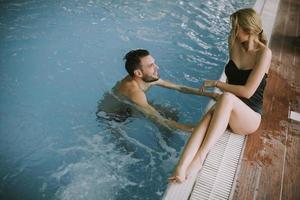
228 97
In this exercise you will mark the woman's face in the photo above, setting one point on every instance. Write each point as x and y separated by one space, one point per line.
242 35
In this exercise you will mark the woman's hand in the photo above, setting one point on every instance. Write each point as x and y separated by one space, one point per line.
210 83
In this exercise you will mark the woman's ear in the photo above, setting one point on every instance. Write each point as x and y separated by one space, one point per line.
138 73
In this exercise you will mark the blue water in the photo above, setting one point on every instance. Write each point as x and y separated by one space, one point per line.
57 61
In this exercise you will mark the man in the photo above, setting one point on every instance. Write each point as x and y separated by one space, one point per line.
143 73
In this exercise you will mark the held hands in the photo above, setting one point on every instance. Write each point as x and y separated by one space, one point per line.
210 83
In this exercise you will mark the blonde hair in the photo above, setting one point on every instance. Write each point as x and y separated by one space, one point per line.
250 21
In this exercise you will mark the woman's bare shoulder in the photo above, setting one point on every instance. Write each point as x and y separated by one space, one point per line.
264 53
263 59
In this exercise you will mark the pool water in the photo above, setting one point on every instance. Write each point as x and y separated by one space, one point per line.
59 59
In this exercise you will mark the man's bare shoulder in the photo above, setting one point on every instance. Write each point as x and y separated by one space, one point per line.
130 89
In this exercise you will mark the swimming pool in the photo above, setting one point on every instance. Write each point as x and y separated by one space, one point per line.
57 61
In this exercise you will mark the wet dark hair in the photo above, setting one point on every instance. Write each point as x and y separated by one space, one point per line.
133 59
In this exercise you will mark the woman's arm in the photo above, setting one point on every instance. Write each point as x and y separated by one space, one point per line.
253 81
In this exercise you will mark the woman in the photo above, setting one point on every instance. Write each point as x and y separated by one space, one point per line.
240 105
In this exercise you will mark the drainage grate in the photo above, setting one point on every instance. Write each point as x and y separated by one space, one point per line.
216 178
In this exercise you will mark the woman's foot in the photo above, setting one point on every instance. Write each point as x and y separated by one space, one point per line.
176 179
195 166
179 175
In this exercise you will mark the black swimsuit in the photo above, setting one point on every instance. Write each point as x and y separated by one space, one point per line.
238 76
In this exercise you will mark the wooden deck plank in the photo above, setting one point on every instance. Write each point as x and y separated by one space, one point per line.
269 168
291 178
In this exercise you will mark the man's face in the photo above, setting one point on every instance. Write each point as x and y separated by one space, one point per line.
149 69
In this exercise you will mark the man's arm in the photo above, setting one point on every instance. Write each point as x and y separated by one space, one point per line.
153 114
185 89
140 99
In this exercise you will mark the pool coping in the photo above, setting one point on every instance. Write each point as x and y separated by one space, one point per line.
268 11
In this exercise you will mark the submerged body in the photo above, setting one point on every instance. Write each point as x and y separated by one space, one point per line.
116 107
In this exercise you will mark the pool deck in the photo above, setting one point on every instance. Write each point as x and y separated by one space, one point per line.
270 160
270 163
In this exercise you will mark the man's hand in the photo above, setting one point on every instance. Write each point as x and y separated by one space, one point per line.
187 128
183 127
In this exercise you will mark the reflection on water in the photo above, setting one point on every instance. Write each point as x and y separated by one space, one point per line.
58 62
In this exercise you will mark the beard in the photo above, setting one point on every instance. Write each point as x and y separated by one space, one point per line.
149 79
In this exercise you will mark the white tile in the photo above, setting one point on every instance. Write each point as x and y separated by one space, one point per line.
295 116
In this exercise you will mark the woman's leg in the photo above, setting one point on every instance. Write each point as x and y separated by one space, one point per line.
191 148
229 110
